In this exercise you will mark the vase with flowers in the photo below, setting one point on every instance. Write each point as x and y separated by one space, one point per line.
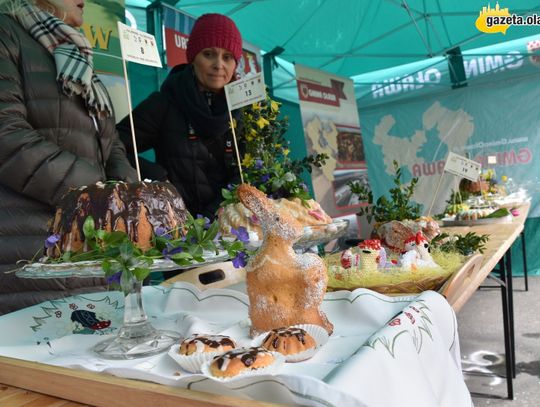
266 163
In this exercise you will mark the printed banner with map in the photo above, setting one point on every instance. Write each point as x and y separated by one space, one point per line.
331 126
489 118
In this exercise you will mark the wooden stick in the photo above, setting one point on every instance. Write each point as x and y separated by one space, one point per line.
134 140
435 194
236 148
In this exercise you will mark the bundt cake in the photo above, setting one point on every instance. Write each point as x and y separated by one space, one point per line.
137 208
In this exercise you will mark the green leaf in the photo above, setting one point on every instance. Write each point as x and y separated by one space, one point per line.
89 228
212 231
141 273
116 237
106 266
101 234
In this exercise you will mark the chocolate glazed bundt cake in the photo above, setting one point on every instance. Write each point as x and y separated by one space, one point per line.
137 208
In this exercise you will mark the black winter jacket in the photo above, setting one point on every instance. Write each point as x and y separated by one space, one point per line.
199 162
48 143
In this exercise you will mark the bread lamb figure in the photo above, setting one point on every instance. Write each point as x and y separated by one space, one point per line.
284 288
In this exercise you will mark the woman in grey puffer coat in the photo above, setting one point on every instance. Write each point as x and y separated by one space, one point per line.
57 130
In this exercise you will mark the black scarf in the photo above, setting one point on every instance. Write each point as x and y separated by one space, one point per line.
208 121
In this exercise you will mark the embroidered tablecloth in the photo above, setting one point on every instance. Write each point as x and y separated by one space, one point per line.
385 351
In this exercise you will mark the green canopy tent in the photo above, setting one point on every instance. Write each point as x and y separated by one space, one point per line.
351 37
363 40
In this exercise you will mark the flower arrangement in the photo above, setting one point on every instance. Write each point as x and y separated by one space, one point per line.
122 261
266 162
398 207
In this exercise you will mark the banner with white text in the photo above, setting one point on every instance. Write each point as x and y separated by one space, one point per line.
497 120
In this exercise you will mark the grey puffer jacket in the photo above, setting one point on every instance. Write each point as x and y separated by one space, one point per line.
48 143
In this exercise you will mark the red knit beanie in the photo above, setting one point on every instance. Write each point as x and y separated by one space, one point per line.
214 30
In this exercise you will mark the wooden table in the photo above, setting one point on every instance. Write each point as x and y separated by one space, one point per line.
501 238
497 253
55 385
42 385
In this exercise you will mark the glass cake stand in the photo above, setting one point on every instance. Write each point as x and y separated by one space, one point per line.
136 338
314 235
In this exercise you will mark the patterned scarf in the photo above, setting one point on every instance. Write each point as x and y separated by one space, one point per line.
73 56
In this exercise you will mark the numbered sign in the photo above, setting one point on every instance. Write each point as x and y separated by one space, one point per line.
245 91
138 46
462 166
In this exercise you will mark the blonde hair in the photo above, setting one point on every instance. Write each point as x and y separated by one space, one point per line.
13 7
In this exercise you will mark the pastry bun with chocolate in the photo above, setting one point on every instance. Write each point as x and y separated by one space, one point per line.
206 343
240 361
288 341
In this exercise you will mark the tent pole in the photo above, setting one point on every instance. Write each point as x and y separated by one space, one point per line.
268 66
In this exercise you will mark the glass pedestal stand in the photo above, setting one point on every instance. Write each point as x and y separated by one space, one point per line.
137 337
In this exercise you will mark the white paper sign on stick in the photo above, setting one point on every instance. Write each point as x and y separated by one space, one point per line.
245 91
138 46
462 166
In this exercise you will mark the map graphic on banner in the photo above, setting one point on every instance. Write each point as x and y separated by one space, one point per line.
331 126
433 129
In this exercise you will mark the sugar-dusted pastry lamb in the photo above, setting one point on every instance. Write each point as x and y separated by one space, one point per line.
284 288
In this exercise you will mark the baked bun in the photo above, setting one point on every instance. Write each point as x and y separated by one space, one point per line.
206 343
288 341
237 361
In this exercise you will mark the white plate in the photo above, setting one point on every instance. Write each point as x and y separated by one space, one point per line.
93 268
482 221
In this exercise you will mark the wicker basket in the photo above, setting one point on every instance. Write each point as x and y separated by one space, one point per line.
392 281
410 286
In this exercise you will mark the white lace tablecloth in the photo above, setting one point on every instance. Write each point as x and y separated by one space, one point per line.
385 351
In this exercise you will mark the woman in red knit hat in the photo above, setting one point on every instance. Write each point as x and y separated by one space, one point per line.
186 122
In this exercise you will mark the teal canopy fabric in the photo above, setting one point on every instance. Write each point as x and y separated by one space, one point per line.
351 37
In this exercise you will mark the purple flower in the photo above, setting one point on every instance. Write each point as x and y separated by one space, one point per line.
162 232
265 178
170 250
217 237
114 278
241 234
304 187
207 222
230 187
240 260
259 164
52 240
